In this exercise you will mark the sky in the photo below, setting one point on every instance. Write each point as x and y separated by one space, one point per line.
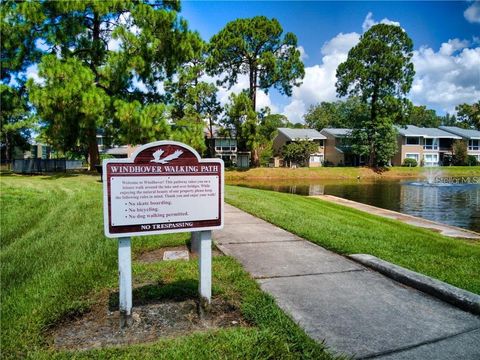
446 37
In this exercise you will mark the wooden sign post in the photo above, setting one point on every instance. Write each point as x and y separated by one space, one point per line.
165 187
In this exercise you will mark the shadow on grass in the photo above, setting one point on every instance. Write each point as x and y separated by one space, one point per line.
55 176
153 293
231 169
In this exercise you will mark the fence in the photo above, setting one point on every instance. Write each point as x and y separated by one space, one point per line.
74 165
32 166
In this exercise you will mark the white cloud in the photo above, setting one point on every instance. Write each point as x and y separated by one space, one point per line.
370 21
453 45
32 73
319 81
303 54
472 13
139 85
223 94
448 77
295 110
114 44
263 100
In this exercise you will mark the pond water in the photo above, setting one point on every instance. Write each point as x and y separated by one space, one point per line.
455 204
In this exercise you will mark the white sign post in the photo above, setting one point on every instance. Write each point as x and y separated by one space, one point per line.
205 265
165 187
125 280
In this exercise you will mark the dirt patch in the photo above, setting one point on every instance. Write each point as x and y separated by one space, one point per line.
157 254
101 327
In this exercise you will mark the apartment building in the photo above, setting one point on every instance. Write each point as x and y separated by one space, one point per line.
471 138
286 136
428 146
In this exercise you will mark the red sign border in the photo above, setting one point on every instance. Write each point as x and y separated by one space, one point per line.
126 230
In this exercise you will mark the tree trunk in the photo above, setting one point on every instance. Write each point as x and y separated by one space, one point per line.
253 87
372 161
211 141
7 149
93 157
254 159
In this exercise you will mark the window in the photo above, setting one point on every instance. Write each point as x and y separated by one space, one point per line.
412 140
431 144
225 145
430 159
473 144
316 158
415 156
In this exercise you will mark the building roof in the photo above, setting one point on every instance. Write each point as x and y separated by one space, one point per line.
337 132
116 151
218 133
468 134
299 134
412 130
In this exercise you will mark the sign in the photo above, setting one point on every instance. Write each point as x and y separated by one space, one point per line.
164 187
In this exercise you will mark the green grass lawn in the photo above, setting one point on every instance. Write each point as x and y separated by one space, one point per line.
55 261
349 231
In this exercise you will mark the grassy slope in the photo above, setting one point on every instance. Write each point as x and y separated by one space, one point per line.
349 231
55 260
347 173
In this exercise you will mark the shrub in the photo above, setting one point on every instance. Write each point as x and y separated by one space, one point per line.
460 155
410 162
299 151
106 156
472 161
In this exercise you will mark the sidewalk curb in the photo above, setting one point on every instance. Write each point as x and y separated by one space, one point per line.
462 299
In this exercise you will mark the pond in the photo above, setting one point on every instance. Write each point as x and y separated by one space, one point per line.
451 203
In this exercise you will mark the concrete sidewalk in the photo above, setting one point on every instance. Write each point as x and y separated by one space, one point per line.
358 312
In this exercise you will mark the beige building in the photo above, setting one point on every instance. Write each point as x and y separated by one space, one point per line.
286 136
471 137
338 149
428 146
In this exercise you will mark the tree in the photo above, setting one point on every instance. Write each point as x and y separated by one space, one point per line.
322 116
469 115
255 47
16 120
151 41
299 151
140 124
17 30
378 70
192 99
69 103
448 120
423 117
241 121
460 153
339 114
269 124
267 130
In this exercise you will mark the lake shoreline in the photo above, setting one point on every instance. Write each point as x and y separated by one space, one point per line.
348 173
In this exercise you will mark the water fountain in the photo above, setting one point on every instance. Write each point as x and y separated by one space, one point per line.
432 174
433 178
